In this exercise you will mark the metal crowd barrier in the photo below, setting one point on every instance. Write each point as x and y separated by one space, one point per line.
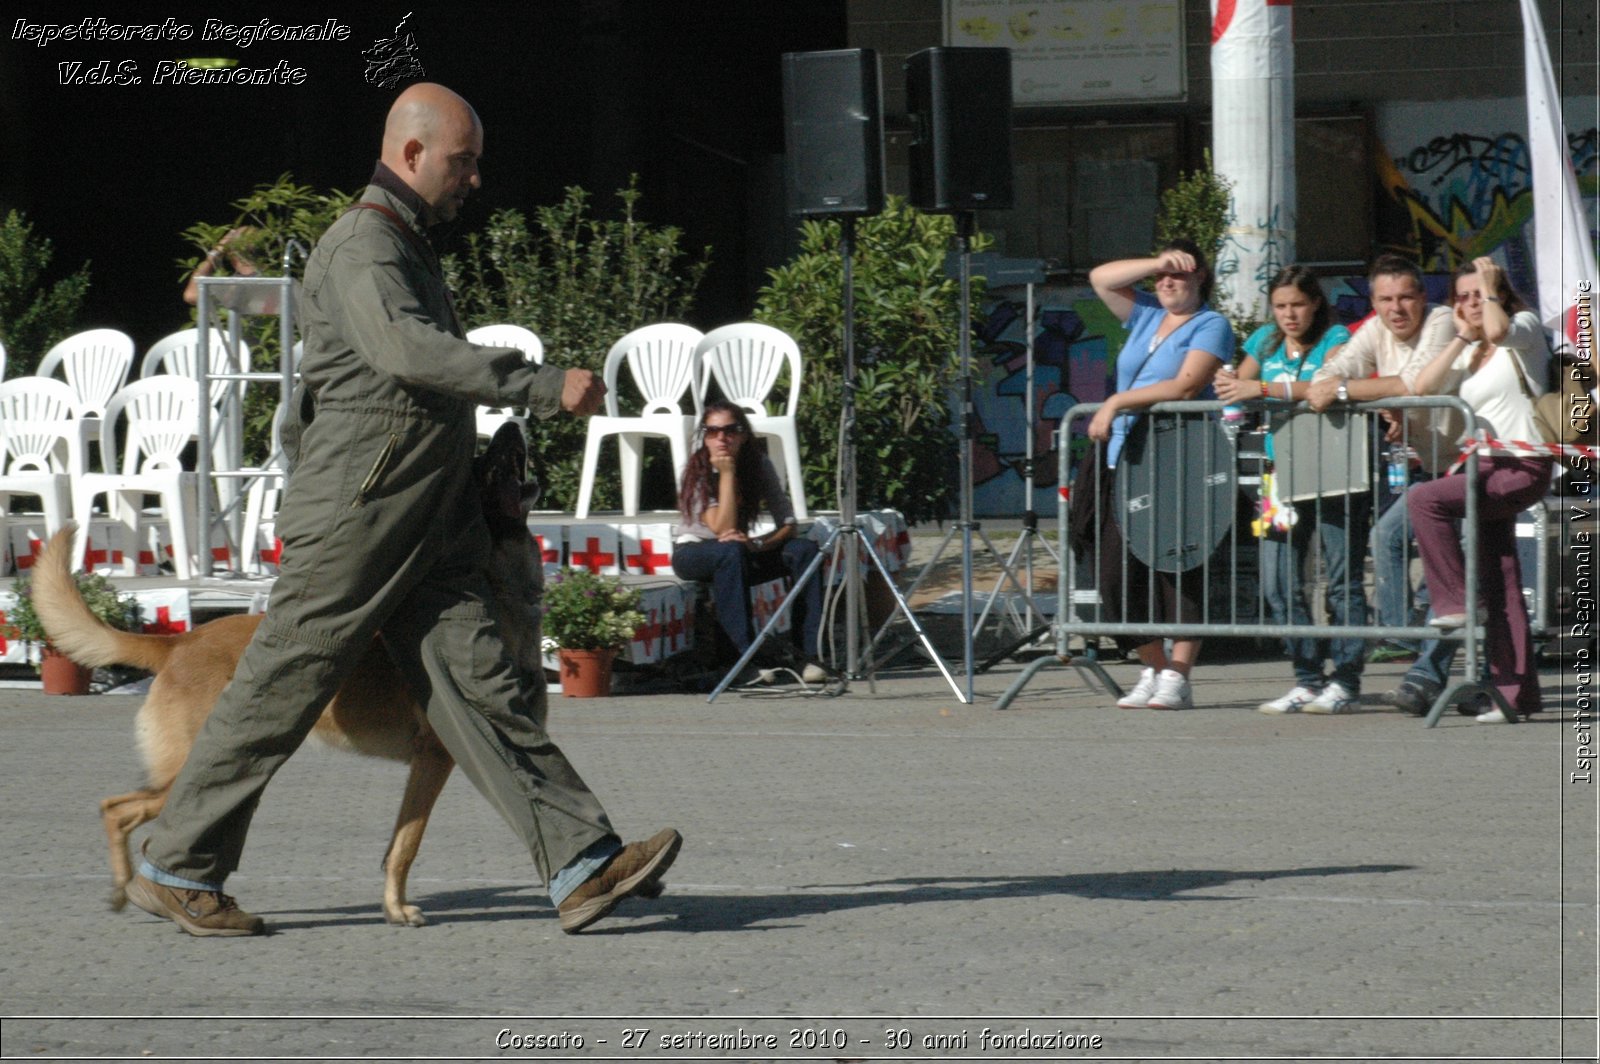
1189 487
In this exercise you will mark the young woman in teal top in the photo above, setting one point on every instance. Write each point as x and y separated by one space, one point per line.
1280 359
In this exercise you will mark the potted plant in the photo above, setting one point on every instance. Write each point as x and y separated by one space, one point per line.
59 674
589 617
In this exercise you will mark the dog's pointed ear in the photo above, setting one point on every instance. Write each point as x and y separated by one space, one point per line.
508 444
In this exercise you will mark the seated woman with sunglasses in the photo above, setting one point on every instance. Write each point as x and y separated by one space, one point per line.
725 486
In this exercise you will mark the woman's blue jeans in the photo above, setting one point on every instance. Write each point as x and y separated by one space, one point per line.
1340 521
725 566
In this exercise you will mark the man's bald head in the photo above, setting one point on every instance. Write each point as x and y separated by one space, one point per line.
432 139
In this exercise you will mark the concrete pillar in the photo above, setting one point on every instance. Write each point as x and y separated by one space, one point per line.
1252 110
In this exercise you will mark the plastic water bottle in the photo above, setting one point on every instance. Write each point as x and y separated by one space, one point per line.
1232 420
1399 469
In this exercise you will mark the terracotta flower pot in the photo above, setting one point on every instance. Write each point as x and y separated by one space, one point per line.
586 673
60 675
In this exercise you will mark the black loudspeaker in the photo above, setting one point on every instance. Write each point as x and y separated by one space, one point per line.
959 102
833 158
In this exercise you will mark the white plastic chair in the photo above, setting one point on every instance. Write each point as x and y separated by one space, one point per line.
179 354
36 435
524 340
2 360
161 415
261 502
94 363
490 418
661 361
745 359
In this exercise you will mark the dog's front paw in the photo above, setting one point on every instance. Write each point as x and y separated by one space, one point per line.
404 916
119 898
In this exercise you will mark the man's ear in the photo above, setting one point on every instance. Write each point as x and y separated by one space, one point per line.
411 152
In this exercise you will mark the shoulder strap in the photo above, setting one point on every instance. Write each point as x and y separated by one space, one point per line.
1516 364
417 240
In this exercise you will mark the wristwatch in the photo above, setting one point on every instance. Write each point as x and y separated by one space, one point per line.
1342 393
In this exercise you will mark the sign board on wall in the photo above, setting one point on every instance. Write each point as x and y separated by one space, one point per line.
1078 51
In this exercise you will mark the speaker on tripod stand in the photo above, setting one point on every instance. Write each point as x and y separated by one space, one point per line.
959 103
833 168
833 158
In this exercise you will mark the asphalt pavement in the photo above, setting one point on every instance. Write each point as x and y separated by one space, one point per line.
885 874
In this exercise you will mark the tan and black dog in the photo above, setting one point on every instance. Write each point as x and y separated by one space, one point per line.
374 713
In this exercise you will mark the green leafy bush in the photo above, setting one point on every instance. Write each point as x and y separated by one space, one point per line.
581 283
99 594
1200 207
269 217
906 345
34 316
587 611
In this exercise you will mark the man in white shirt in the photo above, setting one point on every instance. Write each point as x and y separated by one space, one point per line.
1382 361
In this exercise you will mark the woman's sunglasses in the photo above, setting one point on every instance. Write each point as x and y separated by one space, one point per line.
734 429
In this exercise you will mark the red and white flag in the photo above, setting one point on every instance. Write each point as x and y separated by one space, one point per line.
1565 262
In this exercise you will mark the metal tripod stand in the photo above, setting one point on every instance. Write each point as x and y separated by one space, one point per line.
1032 624
839 542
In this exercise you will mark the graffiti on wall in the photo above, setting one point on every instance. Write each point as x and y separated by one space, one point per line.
1457 194
1074 352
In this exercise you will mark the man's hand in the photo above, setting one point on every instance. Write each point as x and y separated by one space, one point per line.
582 393
1323 394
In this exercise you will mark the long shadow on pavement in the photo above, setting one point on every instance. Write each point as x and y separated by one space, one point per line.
724 911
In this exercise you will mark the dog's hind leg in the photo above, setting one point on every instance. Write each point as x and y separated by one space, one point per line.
430 767
120 816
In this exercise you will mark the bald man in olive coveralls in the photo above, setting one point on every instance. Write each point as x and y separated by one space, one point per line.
382 530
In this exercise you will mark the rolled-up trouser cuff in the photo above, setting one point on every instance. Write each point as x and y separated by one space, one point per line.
167 879
582 867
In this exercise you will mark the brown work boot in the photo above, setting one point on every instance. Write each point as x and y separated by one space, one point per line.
200 912
635 869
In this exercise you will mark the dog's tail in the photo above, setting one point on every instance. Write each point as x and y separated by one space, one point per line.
73 629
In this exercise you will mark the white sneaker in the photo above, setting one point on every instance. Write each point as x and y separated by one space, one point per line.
1172 691
814 673
1492 716
1293 702
1139 697
1335 698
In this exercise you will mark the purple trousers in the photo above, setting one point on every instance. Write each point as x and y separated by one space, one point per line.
1506 487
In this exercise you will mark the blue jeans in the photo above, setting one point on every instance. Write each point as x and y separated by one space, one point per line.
725 566
1392 551
1340 522
1432 666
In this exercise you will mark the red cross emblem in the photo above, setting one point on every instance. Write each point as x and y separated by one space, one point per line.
592 559
25 561
646 561
164 624
545 553
648 632
273 554
674 628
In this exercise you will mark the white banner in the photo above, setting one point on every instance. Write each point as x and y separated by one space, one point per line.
1563 250
1078 51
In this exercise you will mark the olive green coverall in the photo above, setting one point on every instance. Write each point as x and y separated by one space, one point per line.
381 529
